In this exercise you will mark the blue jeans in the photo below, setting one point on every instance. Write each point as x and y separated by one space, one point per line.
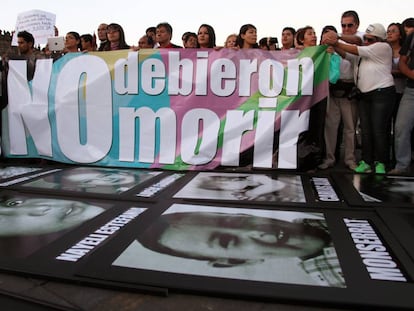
403 127
375 112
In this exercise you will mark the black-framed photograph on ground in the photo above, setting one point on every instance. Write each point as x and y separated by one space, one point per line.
14 174
376 190
234 186
52 236
311 255
91 181
28 221
261 188
203 238
7 172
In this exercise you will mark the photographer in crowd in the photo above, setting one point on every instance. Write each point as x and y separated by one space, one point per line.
375 92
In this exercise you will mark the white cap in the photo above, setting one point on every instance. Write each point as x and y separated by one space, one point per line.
377 30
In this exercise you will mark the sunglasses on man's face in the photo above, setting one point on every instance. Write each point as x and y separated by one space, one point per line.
347 25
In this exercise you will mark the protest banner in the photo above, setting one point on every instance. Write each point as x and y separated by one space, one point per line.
170 109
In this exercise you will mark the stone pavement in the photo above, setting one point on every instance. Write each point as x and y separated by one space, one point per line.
25 293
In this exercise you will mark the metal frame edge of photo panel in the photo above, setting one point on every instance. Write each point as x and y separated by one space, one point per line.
126 195
400 221
378 191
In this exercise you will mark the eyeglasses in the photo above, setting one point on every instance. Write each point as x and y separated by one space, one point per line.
347 25
370 40
392 31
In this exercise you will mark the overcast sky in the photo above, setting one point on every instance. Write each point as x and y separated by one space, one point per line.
226 16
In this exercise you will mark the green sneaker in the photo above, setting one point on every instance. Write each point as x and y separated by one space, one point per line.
363 167
379 168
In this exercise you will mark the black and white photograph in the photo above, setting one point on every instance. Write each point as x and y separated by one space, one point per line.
238 243
95 180
29 222
15 174
244 187
13 171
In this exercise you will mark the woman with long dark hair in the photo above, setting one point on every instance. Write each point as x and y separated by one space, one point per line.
206 36
247 38
116 38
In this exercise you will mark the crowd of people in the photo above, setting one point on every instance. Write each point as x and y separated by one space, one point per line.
371 80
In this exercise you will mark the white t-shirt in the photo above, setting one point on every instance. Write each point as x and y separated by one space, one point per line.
375 68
